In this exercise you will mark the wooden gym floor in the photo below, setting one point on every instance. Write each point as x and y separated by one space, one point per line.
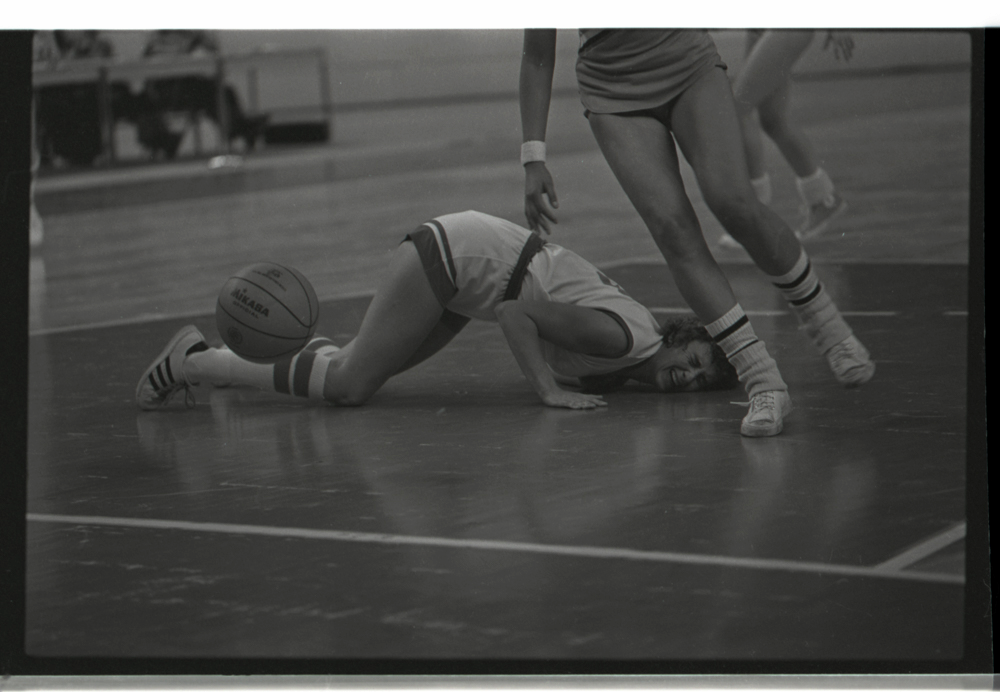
454 517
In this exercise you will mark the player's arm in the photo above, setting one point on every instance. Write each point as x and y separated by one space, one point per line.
538 61
583 330
567 381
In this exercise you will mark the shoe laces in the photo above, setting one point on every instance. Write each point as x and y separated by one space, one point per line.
189 400
762 401
844 351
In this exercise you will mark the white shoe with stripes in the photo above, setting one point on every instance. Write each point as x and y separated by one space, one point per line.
165 377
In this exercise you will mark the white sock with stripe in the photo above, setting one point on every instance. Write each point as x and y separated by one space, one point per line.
812 305
300 375
762 187
815 188
754 366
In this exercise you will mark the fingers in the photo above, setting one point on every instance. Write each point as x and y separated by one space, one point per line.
576 401
540 200
595 402
541 216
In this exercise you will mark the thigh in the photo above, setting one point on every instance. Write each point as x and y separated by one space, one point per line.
641 153
708 130
773 109
768 66
399 319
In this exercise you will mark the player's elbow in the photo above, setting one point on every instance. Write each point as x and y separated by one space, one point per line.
508 311
502 309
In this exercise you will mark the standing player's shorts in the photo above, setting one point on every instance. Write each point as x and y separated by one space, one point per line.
623 70
474 262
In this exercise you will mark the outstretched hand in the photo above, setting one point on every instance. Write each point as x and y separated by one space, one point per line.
842 42
574 400
540 201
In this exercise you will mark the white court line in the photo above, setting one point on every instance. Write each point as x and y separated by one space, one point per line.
567 550
923 549
869 313
778 313
744 260
956 313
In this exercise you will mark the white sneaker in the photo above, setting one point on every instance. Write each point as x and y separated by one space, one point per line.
767 414
729 242
818 216
36 228
165 377
850 362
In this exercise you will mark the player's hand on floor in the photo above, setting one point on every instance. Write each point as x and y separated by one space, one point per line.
540 201
574 400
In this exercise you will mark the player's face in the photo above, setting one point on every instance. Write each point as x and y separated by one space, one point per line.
685 369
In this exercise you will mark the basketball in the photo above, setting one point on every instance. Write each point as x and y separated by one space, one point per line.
266 311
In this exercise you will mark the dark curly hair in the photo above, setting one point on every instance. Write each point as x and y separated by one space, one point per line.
676 333
681 332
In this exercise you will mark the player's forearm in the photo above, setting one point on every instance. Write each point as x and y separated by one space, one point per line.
522 337
535 86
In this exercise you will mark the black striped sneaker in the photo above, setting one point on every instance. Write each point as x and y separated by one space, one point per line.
165 377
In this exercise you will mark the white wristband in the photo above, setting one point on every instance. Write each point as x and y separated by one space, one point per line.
532 151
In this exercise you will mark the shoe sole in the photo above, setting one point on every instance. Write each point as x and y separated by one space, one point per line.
867 373
727 242
156 361
756 431
821 228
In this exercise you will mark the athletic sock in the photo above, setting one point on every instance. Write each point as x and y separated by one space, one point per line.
762 187
815 188
812 305
301 375
755 367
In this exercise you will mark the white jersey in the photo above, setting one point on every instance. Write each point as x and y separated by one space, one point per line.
478 253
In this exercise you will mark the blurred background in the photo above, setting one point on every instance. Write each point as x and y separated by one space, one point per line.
335 87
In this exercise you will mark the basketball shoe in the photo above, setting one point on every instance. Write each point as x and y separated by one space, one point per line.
850 362
767 414
165 377
729 242
818 216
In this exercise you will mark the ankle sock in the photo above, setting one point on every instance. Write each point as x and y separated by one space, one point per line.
754 366
301 375
762 187
815 188
812 305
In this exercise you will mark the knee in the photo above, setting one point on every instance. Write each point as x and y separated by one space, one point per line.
772 122
340 389
346 398
737 207
675 234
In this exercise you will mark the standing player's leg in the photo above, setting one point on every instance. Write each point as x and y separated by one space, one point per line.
642 155
706 126
765 84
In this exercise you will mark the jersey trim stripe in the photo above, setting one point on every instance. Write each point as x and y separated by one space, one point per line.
628 334
425 239
445 249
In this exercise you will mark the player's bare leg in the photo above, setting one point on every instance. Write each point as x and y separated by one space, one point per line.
399 320
764 84
706 126
641 153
